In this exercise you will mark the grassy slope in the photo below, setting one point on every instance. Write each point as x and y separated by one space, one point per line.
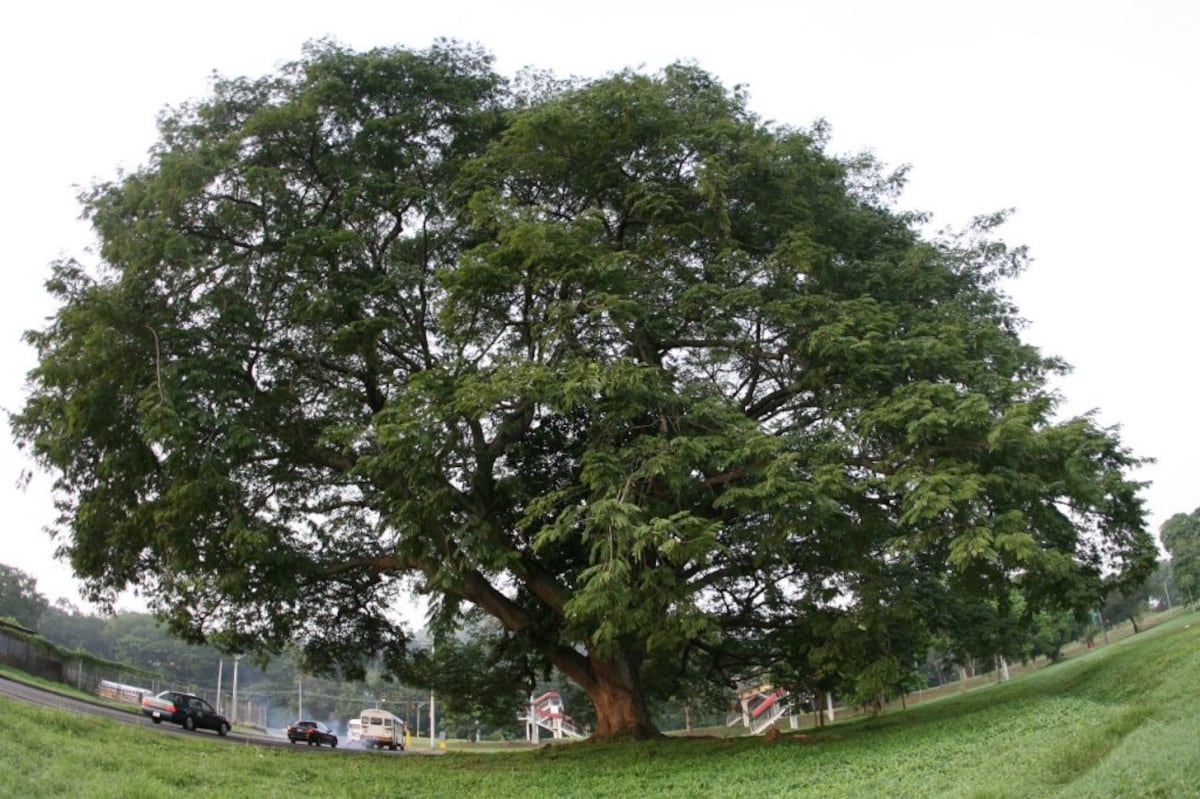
1120 721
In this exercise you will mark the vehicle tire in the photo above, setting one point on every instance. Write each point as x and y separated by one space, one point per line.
223 729
392 747
189 723
157 721
333 743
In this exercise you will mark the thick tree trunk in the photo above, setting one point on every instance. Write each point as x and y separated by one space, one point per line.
615 688
613 684
616 692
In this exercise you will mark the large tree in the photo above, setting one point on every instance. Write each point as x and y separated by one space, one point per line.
650 381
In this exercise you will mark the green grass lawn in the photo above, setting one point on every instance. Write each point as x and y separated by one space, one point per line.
1121 721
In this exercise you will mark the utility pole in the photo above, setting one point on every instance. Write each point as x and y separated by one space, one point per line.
220 668
234 709
432 742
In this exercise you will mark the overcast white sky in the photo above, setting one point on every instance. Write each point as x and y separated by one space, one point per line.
1084 116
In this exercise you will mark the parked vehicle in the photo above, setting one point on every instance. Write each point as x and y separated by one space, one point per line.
312 733
380 729
119 692
187 710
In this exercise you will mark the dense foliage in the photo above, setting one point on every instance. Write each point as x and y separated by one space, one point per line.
19 598
673 394
1180 536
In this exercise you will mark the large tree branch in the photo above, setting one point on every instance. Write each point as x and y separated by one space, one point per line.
374 565
479 590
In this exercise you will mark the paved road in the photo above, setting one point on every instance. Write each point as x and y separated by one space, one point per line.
39 696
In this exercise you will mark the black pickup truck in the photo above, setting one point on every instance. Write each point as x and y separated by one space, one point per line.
187 710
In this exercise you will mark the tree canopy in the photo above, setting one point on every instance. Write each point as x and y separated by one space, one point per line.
1180 536
667 390
19 598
